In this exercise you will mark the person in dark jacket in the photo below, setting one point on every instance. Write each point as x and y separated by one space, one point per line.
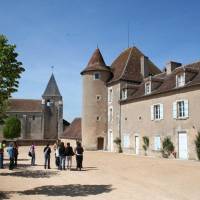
79 156
62 155
2 146
69 154
47 152
16 152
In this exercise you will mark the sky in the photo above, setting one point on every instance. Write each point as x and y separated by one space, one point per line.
65 33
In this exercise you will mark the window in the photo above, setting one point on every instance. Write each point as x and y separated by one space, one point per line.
180 109
157 143
33 117
124 93
126 141
180 80
148 88
157 112
96 76
110 94
110 114
98 97
98 118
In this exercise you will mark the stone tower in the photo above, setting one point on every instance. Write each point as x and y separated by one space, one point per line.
94 102
52 110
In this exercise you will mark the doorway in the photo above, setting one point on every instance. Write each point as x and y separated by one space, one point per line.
100 143
182 145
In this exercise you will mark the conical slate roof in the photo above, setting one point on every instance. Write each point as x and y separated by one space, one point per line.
96 63
52 88
127 66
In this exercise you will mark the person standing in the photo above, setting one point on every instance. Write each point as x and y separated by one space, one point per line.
69 154
2 146
79 156
56 149
47 152
16 152
10 151
62 154
32 153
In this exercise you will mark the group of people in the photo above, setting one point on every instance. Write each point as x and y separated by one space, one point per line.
12 154
63 155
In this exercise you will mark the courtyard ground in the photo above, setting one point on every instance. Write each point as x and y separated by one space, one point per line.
106 176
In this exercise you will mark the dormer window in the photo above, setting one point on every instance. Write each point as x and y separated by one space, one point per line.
148 88
96 76
124 94
180 80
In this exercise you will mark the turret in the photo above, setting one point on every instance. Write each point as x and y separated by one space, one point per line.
94 102
52 110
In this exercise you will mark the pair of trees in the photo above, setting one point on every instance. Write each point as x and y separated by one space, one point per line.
10 72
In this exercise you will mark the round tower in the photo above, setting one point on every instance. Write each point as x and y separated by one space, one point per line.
94 102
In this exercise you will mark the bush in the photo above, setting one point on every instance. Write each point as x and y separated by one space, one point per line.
167 147
12 128
146 144
197 144
118 141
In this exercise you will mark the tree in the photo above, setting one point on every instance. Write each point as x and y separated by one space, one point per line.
10 71
118 141
167 147
197 144
12 128
146 144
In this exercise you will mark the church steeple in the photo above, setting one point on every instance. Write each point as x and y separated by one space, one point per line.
52 88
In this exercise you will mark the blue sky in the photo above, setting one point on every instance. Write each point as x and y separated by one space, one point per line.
64 33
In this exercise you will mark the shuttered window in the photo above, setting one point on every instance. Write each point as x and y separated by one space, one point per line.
157 112
126 141
180 109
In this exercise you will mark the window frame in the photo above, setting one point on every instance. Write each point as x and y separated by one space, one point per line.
181 82
148 85
94 76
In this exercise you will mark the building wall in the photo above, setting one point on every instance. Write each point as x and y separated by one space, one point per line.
114 125
93 108
136 121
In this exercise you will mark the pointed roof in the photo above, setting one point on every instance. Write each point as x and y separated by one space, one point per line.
127 66
52 88
96 63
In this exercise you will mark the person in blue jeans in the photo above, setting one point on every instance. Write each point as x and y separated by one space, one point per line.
32 151
10 151
62 155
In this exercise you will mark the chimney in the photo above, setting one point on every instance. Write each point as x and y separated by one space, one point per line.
171 66
144 66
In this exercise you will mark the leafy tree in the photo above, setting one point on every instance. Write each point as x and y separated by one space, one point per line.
197 144
146 144
167 147
12 128
118 141
10 71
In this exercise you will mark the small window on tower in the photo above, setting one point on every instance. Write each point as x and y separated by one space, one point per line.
48 103
33 117
96 76
98 118
98 97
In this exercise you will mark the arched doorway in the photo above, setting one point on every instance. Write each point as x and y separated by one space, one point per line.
100 143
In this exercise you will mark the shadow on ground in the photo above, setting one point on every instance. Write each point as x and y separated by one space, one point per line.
31 174
68 190
85 169
19 165
4 195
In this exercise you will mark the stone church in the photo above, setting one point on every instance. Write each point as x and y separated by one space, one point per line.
132 98
40 118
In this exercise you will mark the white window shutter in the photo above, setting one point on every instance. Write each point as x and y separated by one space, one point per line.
161 111
186 107
152 113
175 110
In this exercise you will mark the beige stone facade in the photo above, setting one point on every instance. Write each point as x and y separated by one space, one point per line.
138 100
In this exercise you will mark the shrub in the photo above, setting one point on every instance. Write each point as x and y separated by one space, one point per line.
146 144
118 141
12 128
197 144
167 147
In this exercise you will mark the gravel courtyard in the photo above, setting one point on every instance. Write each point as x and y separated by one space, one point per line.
105 176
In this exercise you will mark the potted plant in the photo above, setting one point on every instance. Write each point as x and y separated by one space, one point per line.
117 141
197 144
146 144
167 147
